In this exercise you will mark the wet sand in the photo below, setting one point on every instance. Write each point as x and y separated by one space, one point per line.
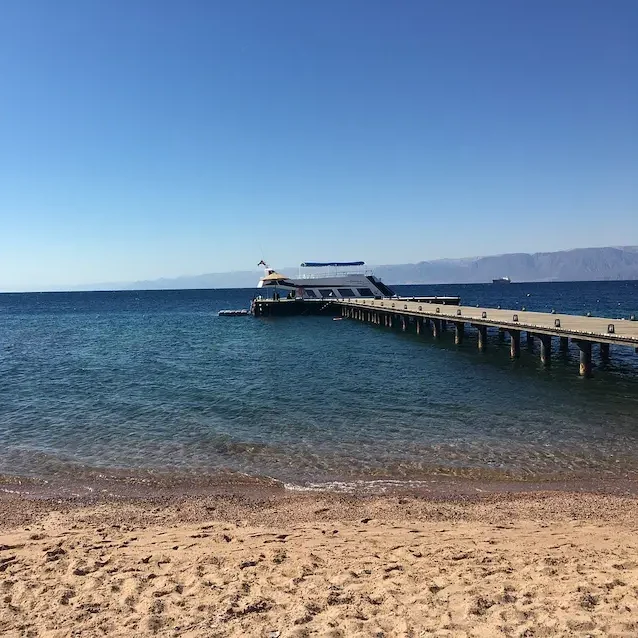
271 563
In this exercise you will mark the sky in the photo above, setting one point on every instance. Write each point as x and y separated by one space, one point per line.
154 138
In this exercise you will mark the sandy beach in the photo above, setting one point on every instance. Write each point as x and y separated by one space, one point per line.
542 564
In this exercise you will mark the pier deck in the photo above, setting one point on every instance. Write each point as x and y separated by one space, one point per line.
595 329
583 331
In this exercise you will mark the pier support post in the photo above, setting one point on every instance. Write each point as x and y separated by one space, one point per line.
564 344
389 321
604 352
436 328
459 331
585 358
546 350
482 338
417 321
443 325
404 323
515 343
530 340
501 334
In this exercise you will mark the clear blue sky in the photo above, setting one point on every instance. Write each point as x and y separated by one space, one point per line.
149 138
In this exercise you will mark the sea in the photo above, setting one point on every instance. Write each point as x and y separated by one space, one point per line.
153 388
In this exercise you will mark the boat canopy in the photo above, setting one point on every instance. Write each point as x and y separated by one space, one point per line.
274 276
323 264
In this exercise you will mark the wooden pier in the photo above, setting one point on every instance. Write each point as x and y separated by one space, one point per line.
438 314
583 331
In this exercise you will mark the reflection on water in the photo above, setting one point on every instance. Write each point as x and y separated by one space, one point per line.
156 381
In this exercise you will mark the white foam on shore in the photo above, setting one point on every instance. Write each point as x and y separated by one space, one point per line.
379 486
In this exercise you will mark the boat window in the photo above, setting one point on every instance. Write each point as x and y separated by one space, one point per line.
309 293
365 292
326 292
345 292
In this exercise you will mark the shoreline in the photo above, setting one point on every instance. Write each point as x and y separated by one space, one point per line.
266 505
93 486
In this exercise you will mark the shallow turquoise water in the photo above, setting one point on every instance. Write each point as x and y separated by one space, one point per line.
137 381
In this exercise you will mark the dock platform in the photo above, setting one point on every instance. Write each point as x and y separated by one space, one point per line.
437 314
583 331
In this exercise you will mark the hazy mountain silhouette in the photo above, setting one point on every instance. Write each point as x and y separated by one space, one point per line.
580 264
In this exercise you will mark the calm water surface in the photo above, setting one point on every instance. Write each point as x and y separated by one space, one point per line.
139 381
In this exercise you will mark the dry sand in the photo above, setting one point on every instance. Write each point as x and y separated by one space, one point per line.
305 565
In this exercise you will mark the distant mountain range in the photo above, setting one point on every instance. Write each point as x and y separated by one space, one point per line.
580 264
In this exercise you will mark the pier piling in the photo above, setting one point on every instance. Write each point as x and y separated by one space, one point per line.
564 344
515 343
530 340
585 358
436 328
546 349
604 352
459 331
482 338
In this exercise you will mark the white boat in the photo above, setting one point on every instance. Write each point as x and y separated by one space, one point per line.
502 280
326 280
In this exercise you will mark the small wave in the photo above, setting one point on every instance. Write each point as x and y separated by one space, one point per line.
378 486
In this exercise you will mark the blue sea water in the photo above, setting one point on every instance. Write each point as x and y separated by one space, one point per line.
155 381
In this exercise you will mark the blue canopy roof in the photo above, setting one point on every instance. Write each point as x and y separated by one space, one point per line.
319 264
